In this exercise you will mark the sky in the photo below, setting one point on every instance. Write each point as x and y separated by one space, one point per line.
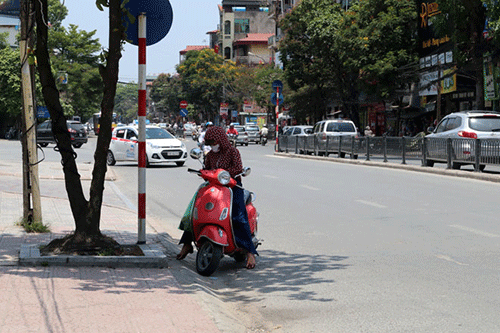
192 19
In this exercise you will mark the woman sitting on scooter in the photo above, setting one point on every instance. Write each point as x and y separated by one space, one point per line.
224 156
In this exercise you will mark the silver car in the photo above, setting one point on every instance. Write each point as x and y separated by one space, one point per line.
300 130
467 126
253 133
333 129
242 138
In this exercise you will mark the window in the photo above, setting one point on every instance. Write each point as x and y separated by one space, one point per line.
120 133
131 134
340 127
227 28
227 53
296 131
44 125
241 26
453 123
485 124
442 126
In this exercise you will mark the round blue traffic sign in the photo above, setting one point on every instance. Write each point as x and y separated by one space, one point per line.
159 18
273 98
277 84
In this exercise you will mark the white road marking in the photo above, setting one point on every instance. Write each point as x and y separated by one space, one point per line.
310 188
474 231
451 260
275 156
373 204
270 176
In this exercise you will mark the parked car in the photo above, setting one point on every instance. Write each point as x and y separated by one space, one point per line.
300 130
253 133
466 125
76 130
333 128
242 138
161 146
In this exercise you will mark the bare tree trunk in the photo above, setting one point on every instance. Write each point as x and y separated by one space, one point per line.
73 184
87 214
109 74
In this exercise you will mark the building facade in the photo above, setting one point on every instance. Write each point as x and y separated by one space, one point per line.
244 31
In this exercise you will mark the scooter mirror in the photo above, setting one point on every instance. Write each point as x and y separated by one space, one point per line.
196 153
246 171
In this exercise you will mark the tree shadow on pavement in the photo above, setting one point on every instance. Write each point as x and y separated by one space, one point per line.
291 275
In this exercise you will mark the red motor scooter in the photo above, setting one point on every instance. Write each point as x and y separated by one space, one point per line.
211 218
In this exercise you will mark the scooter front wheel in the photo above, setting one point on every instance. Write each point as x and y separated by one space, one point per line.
208 258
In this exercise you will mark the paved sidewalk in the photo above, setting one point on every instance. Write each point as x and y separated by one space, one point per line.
86 299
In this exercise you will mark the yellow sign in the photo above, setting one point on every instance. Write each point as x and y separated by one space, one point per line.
449 83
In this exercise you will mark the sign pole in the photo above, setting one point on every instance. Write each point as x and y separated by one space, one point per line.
277 114
141 234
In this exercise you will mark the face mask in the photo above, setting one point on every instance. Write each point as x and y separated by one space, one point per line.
215 148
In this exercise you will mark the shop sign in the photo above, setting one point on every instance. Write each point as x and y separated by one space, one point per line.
449 84
426 86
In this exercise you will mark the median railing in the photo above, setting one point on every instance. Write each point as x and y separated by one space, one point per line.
453 152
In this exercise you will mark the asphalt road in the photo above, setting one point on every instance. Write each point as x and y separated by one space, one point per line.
351 248
347 248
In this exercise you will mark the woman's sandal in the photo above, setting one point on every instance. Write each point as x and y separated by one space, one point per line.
184 252
250 262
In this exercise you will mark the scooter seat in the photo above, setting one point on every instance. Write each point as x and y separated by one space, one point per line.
247 195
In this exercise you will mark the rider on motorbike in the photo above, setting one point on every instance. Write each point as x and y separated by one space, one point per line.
201 138
224 156
232 130
263 132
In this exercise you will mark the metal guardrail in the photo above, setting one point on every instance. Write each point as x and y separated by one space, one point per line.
453 152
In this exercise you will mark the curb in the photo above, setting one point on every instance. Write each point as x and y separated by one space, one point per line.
153 258
415 168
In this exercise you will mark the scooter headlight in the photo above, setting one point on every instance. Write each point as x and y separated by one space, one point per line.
224 177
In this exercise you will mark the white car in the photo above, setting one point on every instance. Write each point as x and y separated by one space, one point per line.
161 146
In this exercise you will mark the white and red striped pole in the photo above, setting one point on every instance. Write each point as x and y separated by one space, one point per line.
141 234
277 115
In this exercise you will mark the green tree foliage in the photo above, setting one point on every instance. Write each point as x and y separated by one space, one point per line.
384 31
10 81
205 76
331 54
126 103
167 92
262 78
76 57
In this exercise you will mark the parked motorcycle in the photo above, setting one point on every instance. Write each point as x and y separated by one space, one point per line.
211 218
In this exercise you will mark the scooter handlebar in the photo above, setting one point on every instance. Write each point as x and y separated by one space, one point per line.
194 171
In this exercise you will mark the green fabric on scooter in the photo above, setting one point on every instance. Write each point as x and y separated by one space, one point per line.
186 220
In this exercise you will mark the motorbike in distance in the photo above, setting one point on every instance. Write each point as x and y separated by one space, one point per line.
263 140
211 218
232 139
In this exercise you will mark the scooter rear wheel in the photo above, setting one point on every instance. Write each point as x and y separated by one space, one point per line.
208 258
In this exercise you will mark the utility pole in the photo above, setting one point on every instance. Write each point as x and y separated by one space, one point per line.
32 208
